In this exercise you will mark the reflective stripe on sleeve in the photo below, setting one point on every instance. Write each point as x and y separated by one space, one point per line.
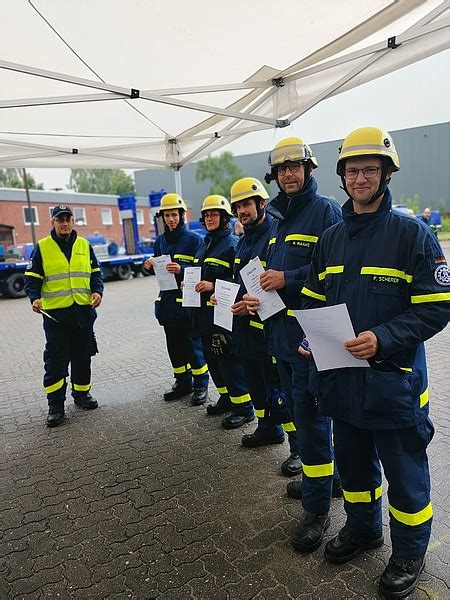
312 294
257 324
237 261
183 257
430 298
272 241
222 390
31 274
331 270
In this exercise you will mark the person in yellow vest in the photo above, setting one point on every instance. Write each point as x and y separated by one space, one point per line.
64 283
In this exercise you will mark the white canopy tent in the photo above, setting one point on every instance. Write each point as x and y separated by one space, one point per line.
161 83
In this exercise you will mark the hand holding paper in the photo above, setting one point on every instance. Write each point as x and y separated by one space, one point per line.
269 302
225 294
165 279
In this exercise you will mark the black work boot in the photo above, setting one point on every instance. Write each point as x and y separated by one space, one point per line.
261 437
308 534
400 577
86 401
235 421
222 406
55 413
200 396
294 489
178 391
292 466
346 546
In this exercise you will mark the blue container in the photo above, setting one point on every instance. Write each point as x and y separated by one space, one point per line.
155 198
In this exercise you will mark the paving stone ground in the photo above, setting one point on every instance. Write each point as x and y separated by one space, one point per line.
145 499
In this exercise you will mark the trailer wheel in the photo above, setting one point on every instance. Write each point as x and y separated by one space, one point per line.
123 271
15 285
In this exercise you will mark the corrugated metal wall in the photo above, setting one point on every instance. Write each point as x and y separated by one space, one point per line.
424 159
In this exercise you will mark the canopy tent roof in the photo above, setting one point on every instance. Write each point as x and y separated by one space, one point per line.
148 83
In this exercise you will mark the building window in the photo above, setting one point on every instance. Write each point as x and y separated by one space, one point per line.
140 216
79 215
50 210
30 215
107 216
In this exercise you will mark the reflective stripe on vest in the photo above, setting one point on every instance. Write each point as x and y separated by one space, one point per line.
65 283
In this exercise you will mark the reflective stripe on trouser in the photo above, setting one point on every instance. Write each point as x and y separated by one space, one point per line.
313 437
258 375
65 345
186 356
227 372
402 453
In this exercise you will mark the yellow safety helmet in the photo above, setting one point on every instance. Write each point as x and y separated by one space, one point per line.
294 149
247 187
216 202
368 141
171 201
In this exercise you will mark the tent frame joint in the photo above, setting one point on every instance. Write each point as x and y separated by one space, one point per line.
134 93
278 82
282 123
74 150
392 43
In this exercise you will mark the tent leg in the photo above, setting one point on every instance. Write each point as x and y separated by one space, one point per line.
178 188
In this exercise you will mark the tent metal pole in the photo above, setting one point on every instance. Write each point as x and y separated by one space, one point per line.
27 193
178 187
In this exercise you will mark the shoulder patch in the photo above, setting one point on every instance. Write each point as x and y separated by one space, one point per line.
442 275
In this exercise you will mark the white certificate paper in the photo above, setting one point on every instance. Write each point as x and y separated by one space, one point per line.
269 302
225 293
326 330
191 278
165 279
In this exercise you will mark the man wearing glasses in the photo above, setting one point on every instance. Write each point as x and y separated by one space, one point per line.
391 273
64 284
301 215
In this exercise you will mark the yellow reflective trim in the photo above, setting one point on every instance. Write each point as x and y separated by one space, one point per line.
308 292
222 390
260 413
56 386
256 324
318 470
81 388
301 237
362 496
209 303
183 257
95 270
158 299
272 241
407 369
274 360
412 519
217 261
178 370
264 264
330 270
200 371
290 312
237 261
430 298
423 398
288 427
196 260
240 399
386 271
179 299
188 367
31 274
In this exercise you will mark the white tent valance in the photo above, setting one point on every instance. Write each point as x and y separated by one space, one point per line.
160 83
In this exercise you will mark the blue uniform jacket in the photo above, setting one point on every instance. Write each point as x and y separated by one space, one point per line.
216 258
182 245
248 332
390 271
75 315
299 222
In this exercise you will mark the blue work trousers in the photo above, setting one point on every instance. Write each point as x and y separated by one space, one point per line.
186 356
258 377
402 453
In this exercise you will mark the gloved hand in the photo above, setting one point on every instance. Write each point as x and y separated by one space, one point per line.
220 344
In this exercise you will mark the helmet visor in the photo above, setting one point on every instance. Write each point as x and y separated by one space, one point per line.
294 153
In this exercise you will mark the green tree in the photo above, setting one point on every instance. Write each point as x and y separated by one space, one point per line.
12 178
221 170
114 182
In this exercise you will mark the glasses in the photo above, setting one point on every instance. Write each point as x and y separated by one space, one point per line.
211 214
368 172
292 166
63 219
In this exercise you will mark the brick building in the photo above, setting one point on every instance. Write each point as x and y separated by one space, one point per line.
93 213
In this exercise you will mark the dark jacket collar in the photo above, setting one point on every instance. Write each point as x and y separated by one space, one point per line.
357 222
173 236
62 243
283 206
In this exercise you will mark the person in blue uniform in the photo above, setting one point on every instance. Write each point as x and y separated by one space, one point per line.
391 273
63 282
248 197
300 215
216 258
183 343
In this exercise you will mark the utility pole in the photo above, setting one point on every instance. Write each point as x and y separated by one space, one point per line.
27 192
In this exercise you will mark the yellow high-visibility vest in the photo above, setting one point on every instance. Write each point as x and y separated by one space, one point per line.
65 283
